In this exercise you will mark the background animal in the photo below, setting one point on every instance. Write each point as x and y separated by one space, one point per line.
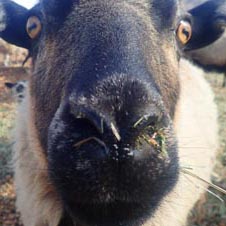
207 46
18 90
189 4
111 119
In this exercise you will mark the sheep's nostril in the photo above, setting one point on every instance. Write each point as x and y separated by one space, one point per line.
85 139
147 120
90 118
98 123
149 136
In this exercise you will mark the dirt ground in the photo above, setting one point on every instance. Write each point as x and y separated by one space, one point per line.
209 211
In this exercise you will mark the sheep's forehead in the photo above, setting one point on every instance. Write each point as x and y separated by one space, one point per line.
161 8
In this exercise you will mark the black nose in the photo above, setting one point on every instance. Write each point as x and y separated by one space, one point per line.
100 137
127 122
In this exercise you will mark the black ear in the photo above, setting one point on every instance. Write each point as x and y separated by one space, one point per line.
208 24
10 85
207 45
13 19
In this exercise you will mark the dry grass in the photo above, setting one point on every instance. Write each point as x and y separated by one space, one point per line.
8 215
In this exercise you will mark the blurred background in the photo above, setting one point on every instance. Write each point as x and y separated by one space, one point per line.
192 3
209 211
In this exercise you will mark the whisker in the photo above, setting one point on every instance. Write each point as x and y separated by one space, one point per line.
215 195
191 167
185 171
205 189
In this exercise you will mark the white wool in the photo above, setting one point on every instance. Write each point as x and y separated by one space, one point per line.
196 130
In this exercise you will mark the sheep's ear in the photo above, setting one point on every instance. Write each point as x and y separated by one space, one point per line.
10 85
13 19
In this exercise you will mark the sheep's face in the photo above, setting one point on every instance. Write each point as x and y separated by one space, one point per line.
206 46
104 90
18 90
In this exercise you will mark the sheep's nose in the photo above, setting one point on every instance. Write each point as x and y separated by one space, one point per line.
127 123
101 136
111 145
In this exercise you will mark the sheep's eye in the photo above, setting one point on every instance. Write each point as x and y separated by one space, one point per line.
184 32
33 27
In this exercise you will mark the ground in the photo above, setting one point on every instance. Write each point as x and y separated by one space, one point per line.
209 211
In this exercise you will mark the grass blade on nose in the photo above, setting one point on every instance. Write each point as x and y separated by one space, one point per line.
115 132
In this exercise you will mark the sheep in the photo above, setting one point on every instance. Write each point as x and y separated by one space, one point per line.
18 89
207 47
111 119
